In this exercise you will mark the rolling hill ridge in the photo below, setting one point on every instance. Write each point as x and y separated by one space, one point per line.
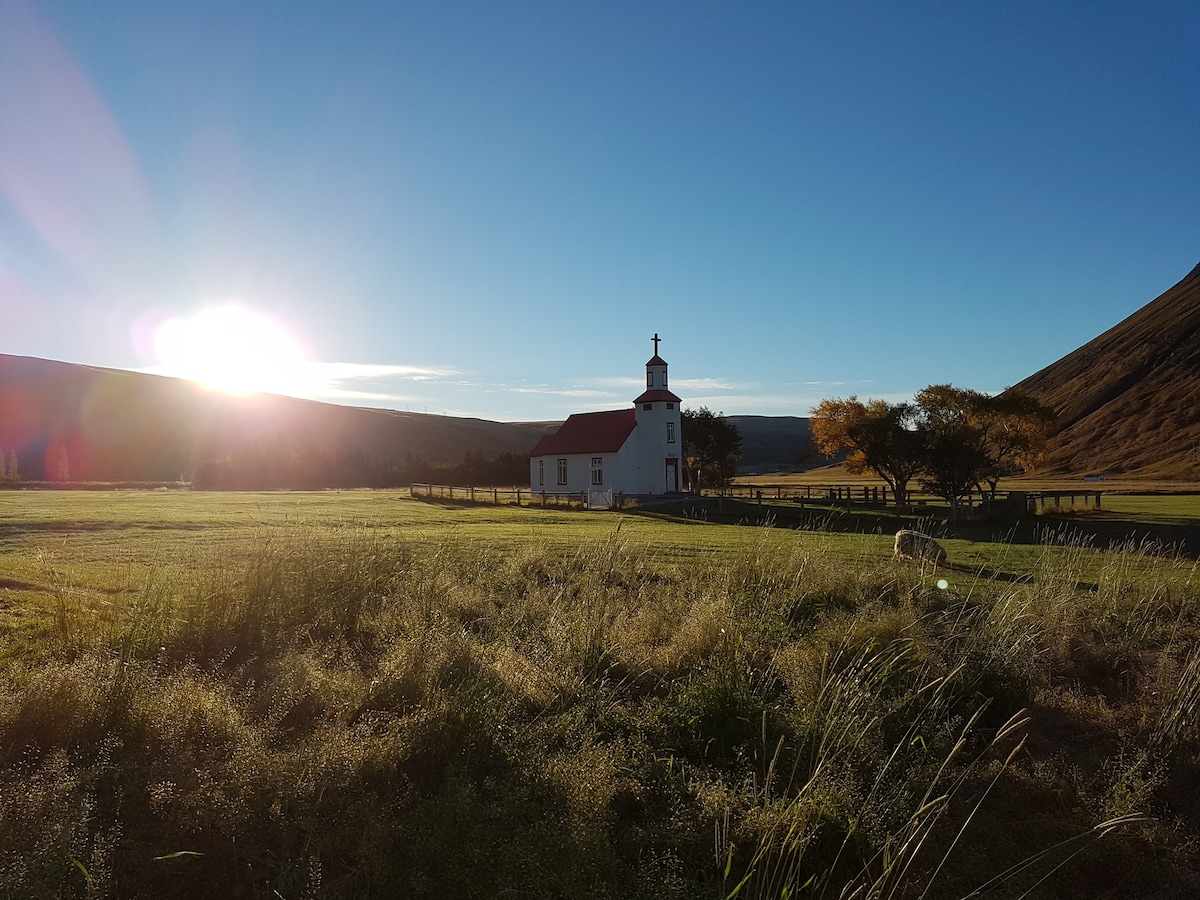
1129 401
115 425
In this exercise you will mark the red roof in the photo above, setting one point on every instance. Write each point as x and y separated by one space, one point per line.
657 394
597 432
656 360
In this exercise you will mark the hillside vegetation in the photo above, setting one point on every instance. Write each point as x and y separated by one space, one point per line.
1128 404
353 695
112 425
1129 401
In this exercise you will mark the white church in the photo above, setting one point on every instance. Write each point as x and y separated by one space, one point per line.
625 451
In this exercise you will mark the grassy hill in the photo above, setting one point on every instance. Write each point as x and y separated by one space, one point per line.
772 443
116 425
1129 401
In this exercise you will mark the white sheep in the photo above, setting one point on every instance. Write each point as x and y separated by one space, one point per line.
914 545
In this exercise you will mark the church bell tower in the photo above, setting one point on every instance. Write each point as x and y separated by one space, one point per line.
659 437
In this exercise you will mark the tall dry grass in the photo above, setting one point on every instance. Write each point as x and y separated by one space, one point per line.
350 715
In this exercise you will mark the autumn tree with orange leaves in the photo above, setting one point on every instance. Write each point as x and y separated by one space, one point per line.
879 436
952 439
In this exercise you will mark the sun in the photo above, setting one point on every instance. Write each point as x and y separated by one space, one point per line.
232 349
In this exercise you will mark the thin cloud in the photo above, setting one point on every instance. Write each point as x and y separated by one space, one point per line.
338 371
584 393
618 383
701 384
341 394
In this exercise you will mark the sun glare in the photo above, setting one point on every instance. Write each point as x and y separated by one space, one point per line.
232 349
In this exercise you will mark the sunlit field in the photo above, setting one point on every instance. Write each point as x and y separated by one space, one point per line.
356 694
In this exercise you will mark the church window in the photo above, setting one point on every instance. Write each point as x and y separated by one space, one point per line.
670 406
647 406
541 471
562 471
597 470
649 379
670 432
664 377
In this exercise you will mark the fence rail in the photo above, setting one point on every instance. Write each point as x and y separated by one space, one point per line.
881 495
517 496
842 495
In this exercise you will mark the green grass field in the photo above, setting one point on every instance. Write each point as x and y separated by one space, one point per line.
356 694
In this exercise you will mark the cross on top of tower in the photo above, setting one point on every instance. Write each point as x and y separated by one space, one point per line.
656 340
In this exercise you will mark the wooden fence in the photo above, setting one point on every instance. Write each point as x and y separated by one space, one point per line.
841 495
881 495
517 496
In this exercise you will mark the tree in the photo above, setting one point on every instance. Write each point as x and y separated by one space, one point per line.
1016 427
711 448
880 436
972 438
951 439
954 459
995 436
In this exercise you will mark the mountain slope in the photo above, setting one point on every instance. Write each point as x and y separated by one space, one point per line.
1129 401
118 425
773 442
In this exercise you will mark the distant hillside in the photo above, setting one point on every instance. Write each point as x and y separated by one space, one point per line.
115 425
771 443
1129 401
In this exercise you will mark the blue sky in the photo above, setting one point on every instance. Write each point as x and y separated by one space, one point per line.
487 209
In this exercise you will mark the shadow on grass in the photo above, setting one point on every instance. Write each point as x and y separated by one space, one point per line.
1100 529
987 573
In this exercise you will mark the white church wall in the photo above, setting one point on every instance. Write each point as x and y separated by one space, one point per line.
641 465
544 472
654 446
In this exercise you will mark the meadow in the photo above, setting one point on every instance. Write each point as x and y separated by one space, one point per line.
354 694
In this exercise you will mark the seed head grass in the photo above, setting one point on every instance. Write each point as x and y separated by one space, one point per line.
480 708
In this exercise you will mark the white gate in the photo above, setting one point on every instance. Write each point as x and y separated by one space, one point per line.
600 499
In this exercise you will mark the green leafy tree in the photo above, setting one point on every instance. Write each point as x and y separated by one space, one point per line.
880 436
954 461
1016 427
974 439
712 447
